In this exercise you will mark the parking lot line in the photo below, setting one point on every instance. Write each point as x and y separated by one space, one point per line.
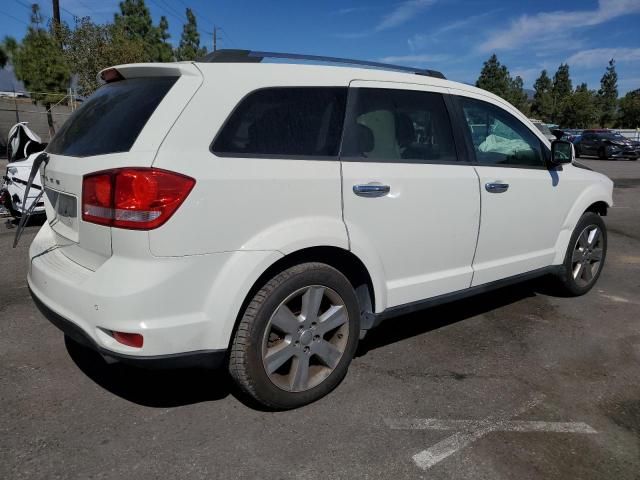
468 431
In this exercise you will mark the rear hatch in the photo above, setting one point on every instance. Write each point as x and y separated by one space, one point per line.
121 125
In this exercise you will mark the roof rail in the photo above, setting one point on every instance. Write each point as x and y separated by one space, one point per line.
250 56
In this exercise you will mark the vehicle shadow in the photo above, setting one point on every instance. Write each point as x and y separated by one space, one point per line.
173 388
151 388
424 321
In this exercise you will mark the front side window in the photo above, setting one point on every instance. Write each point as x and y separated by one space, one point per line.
498 137
285 121
403 126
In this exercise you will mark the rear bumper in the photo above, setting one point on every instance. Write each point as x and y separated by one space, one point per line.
202 358
182 306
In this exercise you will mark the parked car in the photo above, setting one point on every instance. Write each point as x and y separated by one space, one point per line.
23 145
240 213
606 144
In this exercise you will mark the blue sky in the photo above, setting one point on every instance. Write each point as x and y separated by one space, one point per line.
454 36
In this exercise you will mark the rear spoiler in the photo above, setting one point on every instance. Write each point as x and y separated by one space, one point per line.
136 70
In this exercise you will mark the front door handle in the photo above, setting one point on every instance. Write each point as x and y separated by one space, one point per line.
496 187
371 190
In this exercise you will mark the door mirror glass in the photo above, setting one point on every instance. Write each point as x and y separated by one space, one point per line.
561 152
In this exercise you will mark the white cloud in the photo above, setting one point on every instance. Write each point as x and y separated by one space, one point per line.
546 26
404 12
421 40
601 56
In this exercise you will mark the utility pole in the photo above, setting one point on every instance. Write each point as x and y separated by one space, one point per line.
56 12
215 39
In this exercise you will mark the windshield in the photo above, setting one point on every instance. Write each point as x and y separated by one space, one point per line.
612 136
112 118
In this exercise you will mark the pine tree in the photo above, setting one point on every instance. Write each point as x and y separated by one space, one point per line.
579 110
542 106
135 19
517 96
494 77
40 64
561 90
136 22
629 114
189 48
608 95
165 50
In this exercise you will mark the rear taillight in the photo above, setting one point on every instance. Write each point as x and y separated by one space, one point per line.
134 198
129 339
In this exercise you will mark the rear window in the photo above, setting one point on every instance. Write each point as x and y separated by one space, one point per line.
112 118
289 121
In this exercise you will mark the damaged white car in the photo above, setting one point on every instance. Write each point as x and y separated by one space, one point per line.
23 146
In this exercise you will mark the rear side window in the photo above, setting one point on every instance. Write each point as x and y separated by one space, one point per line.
295 121
112 118
404 126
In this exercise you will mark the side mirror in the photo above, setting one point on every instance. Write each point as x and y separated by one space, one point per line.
561 152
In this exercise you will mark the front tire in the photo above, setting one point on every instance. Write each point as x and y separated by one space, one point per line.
297 337
585 255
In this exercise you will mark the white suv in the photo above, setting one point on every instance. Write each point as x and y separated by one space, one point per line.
264 216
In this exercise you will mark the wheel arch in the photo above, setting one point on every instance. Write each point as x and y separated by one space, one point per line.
597 198
600 207
342 260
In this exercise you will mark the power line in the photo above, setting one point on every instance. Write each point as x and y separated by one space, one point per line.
167 11
15 18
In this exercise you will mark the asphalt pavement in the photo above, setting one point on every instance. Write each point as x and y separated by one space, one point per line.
517 383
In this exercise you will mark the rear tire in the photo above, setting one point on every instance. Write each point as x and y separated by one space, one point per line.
297 337
585 255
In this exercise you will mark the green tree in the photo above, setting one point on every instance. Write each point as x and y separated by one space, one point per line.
561 90
90 48
135 19
165 50
542 106
579 110
608 95
136 23
189 48
629 114
517 96
494 77
40 64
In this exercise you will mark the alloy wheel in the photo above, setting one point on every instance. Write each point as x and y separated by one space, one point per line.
305 338
587 256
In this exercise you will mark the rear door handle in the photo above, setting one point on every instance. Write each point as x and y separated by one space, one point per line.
496 187
371 190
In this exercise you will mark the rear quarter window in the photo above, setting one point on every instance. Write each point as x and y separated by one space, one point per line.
112 118
285 121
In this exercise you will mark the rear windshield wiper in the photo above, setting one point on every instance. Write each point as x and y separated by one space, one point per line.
43 158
